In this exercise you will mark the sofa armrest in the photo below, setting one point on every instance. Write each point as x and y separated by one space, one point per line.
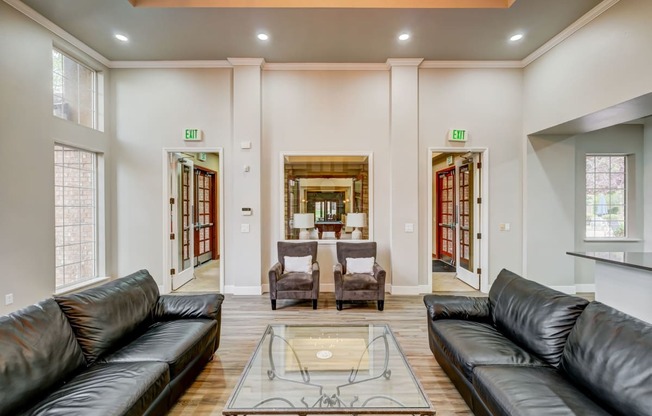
457 307
170 307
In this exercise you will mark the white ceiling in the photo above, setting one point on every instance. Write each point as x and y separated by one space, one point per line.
311 35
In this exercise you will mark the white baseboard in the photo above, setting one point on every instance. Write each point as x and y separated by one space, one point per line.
585 288
243 290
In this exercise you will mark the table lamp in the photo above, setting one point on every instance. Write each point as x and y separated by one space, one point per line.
356 220
304 221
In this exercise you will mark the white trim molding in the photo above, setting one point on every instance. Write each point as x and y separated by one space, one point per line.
569 290
585 288
408 290
246 61
471 64
403 62
318 66
170 64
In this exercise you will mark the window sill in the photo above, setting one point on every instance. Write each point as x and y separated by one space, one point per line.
81 285
612 240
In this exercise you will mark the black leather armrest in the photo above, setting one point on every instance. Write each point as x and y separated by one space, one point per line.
457 307
171 307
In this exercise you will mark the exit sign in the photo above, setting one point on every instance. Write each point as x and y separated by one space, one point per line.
192 135
455 135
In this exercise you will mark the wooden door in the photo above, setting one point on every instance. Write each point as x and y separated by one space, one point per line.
446 215
466 216
206 214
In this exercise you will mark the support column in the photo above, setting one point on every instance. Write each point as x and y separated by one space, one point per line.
243 270
404 174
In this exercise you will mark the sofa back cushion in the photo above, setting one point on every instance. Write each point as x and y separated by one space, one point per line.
104 317
609 355
38 352
534 316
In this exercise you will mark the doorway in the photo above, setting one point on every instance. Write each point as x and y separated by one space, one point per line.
193 218
457 232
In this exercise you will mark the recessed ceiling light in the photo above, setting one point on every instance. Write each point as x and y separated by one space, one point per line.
403 36
516 37
263 36
121 37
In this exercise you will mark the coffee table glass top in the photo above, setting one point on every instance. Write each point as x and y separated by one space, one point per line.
299 369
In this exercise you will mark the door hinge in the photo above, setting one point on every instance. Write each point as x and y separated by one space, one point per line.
171 201
172 272
479 236
479 271
479 200
172 236
479 165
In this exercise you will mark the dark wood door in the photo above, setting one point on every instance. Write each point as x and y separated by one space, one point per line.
446 215
206 214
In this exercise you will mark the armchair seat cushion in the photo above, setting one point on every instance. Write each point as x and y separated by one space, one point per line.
295 281
107 389
531 392
174 342
468 344
359 281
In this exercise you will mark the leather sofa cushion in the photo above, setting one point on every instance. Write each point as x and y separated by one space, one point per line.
359 281
38 352
468 344
609 354
173 342
534 316
531 391
204 306
294 281
107 390
104 316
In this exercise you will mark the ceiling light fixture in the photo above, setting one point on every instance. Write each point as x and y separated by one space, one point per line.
263 36
403 36
122 38
516 37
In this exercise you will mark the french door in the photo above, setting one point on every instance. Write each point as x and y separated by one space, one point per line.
181 189
205 234
446 222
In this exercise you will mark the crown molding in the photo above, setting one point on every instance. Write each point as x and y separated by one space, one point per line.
246 61
326 66
566 33
41 20
471 64
391 62
170 64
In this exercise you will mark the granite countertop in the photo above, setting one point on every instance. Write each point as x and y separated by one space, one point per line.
638 260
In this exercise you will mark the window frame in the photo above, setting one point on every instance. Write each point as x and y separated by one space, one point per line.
370 213
627 197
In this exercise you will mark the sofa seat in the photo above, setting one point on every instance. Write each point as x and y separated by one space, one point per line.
176 343
108 389
528 391
468 344
295 282
359 281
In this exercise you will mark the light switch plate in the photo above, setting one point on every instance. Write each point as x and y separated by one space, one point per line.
245 145
244 228
9 298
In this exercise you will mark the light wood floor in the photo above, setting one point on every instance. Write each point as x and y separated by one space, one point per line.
206 279
245 317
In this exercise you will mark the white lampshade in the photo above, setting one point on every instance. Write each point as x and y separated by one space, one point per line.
304 221
356 220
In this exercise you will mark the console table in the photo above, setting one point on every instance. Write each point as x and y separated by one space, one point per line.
335 226
623 280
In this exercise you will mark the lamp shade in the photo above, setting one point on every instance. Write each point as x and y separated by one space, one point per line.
304 220
356 220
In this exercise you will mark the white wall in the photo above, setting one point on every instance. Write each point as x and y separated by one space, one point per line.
605 63
28 131
487 103
647 181
152 109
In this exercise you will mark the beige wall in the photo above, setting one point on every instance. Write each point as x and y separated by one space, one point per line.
28 131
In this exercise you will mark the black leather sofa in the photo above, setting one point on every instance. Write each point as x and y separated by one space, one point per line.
529 350
116 349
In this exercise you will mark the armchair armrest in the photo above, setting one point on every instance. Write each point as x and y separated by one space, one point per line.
380 274
457 307
275 273
170 307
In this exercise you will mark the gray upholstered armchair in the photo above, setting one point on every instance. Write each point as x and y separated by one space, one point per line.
294 285
358 286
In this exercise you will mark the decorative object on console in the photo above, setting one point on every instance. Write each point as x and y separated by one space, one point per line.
356 220
304 221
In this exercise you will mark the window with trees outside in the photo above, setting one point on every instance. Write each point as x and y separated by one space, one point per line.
606 196
74 90
75 215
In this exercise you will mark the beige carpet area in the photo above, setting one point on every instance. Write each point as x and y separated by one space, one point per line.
206 279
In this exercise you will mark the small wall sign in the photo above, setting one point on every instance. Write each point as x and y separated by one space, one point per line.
192 135
457 135
201 157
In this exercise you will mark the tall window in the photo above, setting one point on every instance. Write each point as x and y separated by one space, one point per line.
74 90
75 209
606 193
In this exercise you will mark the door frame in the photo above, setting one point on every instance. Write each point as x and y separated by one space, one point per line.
484 210
165 204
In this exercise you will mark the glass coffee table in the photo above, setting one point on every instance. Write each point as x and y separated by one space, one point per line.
302 369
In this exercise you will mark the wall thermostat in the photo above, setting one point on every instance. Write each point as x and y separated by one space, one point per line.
246 211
